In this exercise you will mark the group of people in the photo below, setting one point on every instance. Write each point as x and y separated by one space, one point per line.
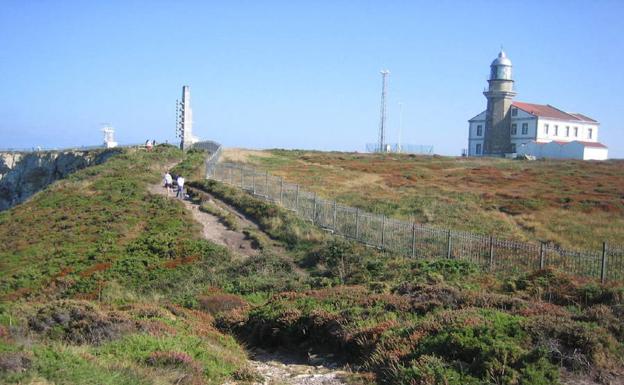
149 144
179 183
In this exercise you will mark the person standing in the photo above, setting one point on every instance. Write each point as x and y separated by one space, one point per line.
168 182
180 182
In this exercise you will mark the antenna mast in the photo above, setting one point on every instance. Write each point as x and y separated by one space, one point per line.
400 126
382 123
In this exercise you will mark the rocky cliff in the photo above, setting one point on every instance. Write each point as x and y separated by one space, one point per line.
24 173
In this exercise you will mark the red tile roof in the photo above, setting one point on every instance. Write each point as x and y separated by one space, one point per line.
562 143
583 117
549 111
592 144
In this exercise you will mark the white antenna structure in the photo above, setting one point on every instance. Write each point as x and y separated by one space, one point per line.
400 126
109 136
383 117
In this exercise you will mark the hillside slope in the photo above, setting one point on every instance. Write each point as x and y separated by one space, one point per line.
105 283
94 270
570 203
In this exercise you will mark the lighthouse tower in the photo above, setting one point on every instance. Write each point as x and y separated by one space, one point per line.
497 136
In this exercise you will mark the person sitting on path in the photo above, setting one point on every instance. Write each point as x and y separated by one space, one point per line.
180 193
168 182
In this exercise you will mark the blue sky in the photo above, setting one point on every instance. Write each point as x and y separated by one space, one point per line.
297 74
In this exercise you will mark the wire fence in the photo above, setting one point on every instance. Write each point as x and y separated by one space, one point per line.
416 240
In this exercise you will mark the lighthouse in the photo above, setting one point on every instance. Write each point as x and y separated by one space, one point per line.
500 94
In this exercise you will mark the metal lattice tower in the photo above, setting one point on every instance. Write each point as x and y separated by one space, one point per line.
382 122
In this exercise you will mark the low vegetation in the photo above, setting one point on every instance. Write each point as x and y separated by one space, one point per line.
424 321
103 282
226 217
569 203
95 271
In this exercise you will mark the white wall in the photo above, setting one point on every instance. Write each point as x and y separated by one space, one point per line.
523 118
583 130
554 150
473 138
596 153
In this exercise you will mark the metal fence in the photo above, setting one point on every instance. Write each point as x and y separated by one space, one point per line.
416 240
214 149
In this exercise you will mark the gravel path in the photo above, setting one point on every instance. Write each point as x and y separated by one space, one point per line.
280 369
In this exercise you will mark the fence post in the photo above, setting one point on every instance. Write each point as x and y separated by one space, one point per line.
335 209
281 189
413 240
253 181
383 231
242 175
541 255
314 210
266 185
357 224
297 200
491 252
448 245
603 265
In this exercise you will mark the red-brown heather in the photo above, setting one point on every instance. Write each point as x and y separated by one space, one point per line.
574 204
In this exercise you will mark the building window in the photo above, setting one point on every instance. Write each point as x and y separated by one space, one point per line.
479 130
514 129
576 132
514 112
567 130
478 148
513 147
590 133
556 130
546 129
525 128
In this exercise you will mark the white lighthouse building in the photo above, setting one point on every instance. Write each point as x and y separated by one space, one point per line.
509 127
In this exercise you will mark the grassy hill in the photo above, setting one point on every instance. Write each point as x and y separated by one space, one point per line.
104 283
574 204
94 273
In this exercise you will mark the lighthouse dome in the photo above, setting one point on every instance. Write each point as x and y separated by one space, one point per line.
500 69
501 60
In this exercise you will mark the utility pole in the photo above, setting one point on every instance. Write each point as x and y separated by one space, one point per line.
382 122
399 150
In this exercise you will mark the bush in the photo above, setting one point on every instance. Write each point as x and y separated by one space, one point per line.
78 322
219 302
172 359
428 370
14 362
575 345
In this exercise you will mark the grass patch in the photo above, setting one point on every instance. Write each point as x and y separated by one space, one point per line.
574 204
275 221
228 219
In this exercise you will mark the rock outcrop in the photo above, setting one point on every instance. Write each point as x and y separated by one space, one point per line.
24 173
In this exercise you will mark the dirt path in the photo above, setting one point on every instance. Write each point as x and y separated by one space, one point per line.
281 369
212 228
275 369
